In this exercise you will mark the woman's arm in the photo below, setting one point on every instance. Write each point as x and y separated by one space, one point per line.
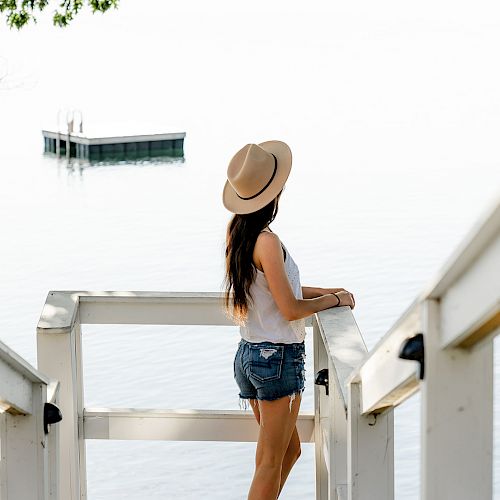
268 252
310 292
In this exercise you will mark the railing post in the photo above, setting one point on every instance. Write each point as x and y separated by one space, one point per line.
338 347
54 452
320 416
370 451
24 458
337 441
60 357
457 416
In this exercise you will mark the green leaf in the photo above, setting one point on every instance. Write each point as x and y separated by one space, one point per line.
18 14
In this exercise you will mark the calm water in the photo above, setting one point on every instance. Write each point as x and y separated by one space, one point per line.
389 174
126 228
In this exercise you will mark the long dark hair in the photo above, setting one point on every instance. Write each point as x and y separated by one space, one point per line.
242 233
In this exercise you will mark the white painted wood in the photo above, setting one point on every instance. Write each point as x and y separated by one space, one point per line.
374 383
387 380
340 349
320 407
344 343
480 236
15 390
59 312
170 311
4 478
39 443
57 357
143 308
53 391
338 441
78 369
23 445
370 451
342 492
457 417
59 354
326 421
16 378
146 308
22 366
181 425
473 299
476 259
53 445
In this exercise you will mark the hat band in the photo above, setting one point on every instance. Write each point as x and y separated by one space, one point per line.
266 186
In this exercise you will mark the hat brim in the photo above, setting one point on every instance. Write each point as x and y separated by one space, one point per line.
235 204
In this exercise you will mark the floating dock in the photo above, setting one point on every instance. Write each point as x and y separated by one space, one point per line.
114 148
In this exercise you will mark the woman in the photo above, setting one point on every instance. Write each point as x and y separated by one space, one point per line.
264 296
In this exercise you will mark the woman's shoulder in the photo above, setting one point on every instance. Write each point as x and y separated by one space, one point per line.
268 237
267 244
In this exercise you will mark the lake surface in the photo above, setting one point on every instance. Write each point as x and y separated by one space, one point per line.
395 157
160 227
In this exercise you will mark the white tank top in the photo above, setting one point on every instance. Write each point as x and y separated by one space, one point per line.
265 321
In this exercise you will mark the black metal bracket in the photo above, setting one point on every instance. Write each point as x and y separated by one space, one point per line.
322 378
413 349
51 415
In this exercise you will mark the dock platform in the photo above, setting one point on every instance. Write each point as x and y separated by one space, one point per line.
114 148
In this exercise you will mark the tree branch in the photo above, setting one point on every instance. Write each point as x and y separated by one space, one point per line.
20 13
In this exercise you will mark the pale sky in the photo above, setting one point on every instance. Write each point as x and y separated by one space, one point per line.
389 75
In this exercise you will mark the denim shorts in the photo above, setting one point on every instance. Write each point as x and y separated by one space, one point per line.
268 370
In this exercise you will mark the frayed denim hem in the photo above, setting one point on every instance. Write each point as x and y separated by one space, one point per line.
244 402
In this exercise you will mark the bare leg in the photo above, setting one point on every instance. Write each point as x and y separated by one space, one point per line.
275 437
292 452
291 456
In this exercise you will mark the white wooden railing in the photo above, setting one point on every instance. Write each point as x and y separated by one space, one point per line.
353 448
28 440
442 345
59 354
458 315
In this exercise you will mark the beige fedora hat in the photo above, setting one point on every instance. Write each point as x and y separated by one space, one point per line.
255 176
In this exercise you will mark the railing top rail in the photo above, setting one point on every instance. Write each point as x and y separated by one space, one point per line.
344 343
21 366
61 306
476 256
485 229
407 325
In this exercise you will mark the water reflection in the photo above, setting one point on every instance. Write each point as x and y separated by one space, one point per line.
79 164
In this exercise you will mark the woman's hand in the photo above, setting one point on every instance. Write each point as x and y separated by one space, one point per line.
346 298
